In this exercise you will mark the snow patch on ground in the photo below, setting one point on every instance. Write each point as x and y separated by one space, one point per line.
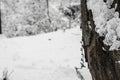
50 56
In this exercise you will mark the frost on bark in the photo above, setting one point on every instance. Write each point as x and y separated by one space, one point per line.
116 2
103 65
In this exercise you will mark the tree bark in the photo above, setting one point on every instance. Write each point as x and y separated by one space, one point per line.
103 65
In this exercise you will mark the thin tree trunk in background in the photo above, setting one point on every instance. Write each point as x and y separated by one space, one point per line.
103 65
70 18
48 13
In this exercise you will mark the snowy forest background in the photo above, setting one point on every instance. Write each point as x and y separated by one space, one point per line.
30 17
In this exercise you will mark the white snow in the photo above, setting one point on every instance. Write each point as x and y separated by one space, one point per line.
50 56
107 22
118 61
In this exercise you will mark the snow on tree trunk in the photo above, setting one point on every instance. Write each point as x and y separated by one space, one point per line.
103 64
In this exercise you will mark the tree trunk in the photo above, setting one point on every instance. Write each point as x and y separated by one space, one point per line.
103 65
48 13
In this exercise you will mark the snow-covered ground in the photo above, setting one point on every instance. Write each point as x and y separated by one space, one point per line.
50 56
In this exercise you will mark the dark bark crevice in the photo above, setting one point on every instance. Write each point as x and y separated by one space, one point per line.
105 0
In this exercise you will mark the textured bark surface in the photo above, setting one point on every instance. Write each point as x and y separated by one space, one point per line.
103 65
